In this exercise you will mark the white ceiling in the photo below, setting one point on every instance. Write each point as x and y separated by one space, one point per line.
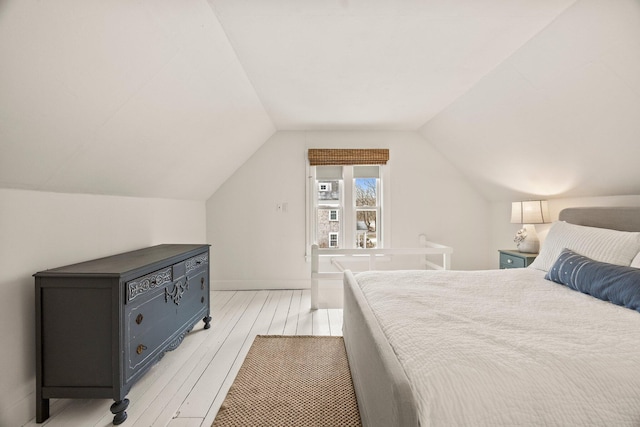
373 64
167 98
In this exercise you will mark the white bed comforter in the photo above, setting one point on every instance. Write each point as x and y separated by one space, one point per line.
508 348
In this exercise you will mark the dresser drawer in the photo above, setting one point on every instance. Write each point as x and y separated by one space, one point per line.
138 288
157 324
197 263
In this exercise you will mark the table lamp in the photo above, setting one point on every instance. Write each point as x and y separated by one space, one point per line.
529 213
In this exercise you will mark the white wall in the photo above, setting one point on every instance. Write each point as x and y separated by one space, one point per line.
255 246
47 230
503 231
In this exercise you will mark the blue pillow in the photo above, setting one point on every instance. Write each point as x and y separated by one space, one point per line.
608 282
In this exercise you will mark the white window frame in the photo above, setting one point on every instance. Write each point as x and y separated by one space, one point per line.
327 186
347 236
337 212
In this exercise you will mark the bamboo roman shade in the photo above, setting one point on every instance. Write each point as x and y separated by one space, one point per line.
342 156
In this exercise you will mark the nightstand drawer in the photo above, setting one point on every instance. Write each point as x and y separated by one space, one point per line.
515 259
509 261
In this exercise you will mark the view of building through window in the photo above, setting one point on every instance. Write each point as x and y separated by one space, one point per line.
348 208
328 226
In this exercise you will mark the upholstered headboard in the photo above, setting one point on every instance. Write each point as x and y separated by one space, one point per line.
615 218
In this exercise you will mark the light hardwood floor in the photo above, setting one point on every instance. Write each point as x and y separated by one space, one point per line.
189 384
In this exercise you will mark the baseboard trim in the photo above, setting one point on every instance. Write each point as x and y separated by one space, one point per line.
247 285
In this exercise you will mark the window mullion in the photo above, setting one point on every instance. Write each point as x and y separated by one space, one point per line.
312 205
349 209
380 225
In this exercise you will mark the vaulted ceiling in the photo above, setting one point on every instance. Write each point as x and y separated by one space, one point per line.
167 98
374 64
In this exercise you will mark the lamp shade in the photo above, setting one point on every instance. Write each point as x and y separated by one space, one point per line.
530 212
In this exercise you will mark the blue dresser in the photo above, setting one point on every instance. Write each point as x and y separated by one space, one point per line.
101 324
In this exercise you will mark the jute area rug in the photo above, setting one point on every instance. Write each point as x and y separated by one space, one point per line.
292 381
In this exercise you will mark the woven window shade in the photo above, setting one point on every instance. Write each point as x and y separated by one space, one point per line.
337 157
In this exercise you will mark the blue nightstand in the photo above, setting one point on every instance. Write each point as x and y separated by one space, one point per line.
515 259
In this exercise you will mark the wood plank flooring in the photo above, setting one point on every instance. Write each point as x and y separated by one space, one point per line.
189 384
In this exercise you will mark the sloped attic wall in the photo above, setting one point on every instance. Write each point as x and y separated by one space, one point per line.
133 98
559 118
254 246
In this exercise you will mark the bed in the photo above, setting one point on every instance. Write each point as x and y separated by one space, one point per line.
505 347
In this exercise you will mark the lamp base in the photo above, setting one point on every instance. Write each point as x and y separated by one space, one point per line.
529 247
527 240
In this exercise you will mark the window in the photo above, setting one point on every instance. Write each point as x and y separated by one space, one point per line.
346 198
346 208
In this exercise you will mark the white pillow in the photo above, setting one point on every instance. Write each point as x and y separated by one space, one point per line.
636 261
600 244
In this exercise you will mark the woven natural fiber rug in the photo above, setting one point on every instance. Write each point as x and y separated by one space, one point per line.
292 381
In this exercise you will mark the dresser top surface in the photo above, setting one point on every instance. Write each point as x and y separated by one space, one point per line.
128 261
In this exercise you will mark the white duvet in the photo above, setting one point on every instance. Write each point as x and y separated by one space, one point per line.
508 348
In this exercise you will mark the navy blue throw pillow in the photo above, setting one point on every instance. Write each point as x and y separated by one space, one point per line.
608 282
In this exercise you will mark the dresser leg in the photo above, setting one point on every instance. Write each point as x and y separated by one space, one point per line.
42 409
118 409
207 322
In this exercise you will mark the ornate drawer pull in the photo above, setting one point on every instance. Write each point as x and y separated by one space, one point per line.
176 294
141 348
139 318
509 261
202 283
